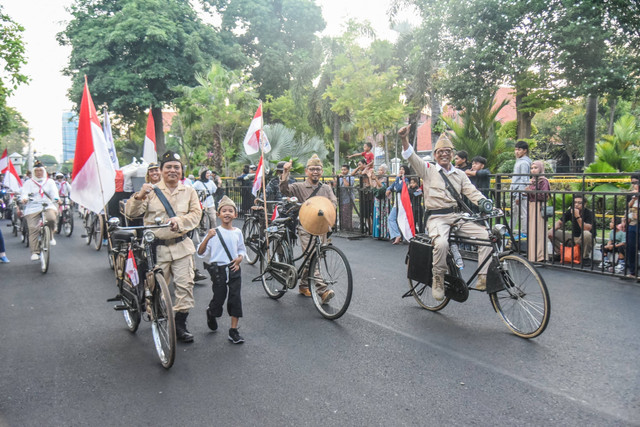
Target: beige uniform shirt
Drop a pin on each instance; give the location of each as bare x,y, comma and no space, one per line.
302,190
436,195
184,201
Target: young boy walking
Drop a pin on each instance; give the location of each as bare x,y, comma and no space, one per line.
224,249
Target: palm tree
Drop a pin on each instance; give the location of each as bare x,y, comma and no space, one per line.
619,152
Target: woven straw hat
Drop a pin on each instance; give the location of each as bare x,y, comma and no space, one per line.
317,215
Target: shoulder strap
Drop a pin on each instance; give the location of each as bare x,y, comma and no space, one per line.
315,191
224,245
164,202
454,192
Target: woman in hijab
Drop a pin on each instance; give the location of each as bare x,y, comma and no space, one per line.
537,225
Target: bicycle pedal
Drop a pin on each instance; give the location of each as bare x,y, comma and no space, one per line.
116,298
120,308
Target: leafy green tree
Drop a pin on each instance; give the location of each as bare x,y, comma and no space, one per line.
215,115
134,52
276,36
12,58
477,133
291,112
16,139
620,150
561,133
49,162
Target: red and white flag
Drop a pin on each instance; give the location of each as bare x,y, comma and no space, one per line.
11,178
405,214
255,137
4,161
132,269
257,180
275,213
149,153
93,174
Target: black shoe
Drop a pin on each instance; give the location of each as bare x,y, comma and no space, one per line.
199,276
182,334
235,337
212,323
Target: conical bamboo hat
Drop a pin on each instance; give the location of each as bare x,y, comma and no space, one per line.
317,215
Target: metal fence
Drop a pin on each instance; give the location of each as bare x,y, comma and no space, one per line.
364,210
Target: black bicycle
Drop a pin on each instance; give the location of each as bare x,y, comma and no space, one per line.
329,272
142,290
517,291
65,218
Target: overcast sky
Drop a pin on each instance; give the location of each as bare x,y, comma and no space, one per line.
45,98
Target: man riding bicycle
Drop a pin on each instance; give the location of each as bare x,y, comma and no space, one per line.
442,207
41,189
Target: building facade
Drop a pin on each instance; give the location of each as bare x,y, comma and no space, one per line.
69,133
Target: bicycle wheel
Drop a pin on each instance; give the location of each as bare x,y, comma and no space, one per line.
251,235
132,316
67,223
335,273
60,222
163,325
98,226
279,252
422,294
45,248
24,229
15,221
88,227
524,304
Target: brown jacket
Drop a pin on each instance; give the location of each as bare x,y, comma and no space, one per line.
302,190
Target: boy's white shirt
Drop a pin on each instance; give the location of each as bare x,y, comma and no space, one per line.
215,253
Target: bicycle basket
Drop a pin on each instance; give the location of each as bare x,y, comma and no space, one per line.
420,259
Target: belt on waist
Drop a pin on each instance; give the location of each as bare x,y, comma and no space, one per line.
442,211
168,242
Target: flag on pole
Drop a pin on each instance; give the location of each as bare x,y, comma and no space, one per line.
11,178
255,137
93,173
108,137
4,161
275,213
405,214
149,153
132,269
257,180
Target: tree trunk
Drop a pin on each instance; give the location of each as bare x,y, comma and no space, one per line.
336,142
590,140
523,129
217,150
156,112
612,114
386,149
436,111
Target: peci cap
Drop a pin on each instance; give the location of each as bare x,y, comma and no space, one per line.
314,161
443,142
170,156
226,201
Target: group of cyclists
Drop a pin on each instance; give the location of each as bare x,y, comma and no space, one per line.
39,192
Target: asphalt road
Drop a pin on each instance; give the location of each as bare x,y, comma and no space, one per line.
67,358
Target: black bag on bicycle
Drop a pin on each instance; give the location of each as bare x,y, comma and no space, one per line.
420,259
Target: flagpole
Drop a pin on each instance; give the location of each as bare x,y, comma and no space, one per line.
264,190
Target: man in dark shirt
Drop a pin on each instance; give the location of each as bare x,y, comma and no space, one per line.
479,174
582,229
461,160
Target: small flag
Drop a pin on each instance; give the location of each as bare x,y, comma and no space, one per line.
255,137
405,214
275,213
149,152
257,180
4,161
94,179
108,137
11,178
132,269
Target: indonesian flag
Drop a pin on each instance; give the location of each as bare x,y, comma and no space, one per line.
149,153
108,137
11,178
132,269
405,214
275,213
4,161
257,180
255,137
93,174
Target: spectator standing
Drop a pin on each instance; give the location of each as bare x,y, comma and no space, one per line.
520,181
461,160
366,195
415,195
345,184
380,207
206,189
396,187
537,222
479,175
582,231
632,226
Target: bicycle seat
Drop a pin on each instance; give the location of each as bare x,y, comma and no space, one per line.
123,235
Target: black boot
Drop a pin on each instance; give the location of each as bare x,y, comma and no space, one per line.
182,334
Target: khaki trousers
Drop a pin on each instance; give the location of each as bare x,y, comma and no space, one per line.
585,241
182,271
439,227
211,213
304,276
33,222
